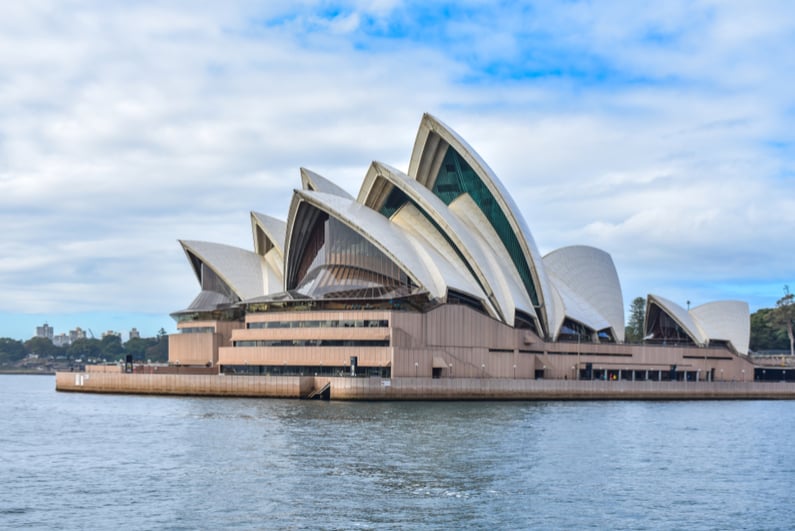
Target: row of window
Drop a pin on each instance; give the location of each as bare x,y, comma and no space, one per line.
350,323
198,330
301,370
314,343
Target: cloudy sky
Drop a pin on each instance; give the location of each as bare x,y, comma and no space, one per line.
661,132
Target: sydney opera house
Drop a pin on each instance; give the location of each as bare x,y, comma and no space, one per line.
433,274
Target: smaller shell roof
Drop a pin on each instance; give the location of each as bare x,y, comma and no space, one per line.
680,315
578,308
273,228
726,321
243,271
314,182
591,274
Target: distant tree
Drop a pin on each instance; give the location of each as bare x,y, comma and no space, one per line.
84,348
637,316
42,346
137,347
783,316
764,334
11,350
159,351
110,347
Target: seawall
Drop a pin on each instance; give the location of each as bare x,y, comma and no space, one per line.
416,388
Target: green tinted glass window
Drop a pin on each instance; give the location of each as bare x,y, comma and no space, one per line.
456,177
394,201
397,198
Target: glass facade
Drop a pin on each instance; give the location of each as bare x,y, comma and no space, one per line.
345,323
455,178
307,370
396,199
312,343
198,330
572,331
336,262
662,328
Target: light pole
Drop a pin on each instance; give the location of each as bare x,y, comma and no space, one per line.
482,370
451,370
416,369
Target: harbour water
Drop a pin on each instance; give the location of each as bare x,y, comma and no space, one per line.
83,461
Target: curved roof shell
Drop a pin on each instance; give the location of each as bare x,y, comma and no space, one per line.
375,228
268,232
430,149
438,255
244,272
681,316
508,277
591,274
577,308
314,182
728,321
379,185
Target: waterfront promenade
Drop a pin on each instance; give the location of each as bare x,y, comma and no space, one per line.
346,388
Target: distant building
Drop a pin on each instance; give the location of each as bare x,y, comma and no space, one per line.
61,340
135,334
111,333
77,333
45,330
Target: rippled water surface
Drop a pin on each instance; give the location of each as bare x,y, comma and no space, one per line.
82,461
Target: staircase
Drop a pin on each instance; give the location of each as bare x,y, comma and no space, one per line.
324,393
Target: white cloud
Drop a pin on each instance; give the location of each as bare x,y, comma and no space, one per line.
651,131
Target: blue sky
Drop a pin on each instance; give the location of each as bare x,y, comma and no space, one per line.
659,132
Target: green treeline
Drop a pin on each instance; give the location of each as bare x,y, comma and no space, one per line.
87,350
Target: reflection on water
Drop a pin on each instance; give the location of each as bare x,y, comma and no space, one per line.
87,461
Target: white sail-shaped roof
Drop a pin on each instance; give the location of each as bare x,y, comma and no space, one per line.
438,254
510,282
375,228
591,274
430,147
268,232
313,182
681,316
725,321
247,274
381,178
577,308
